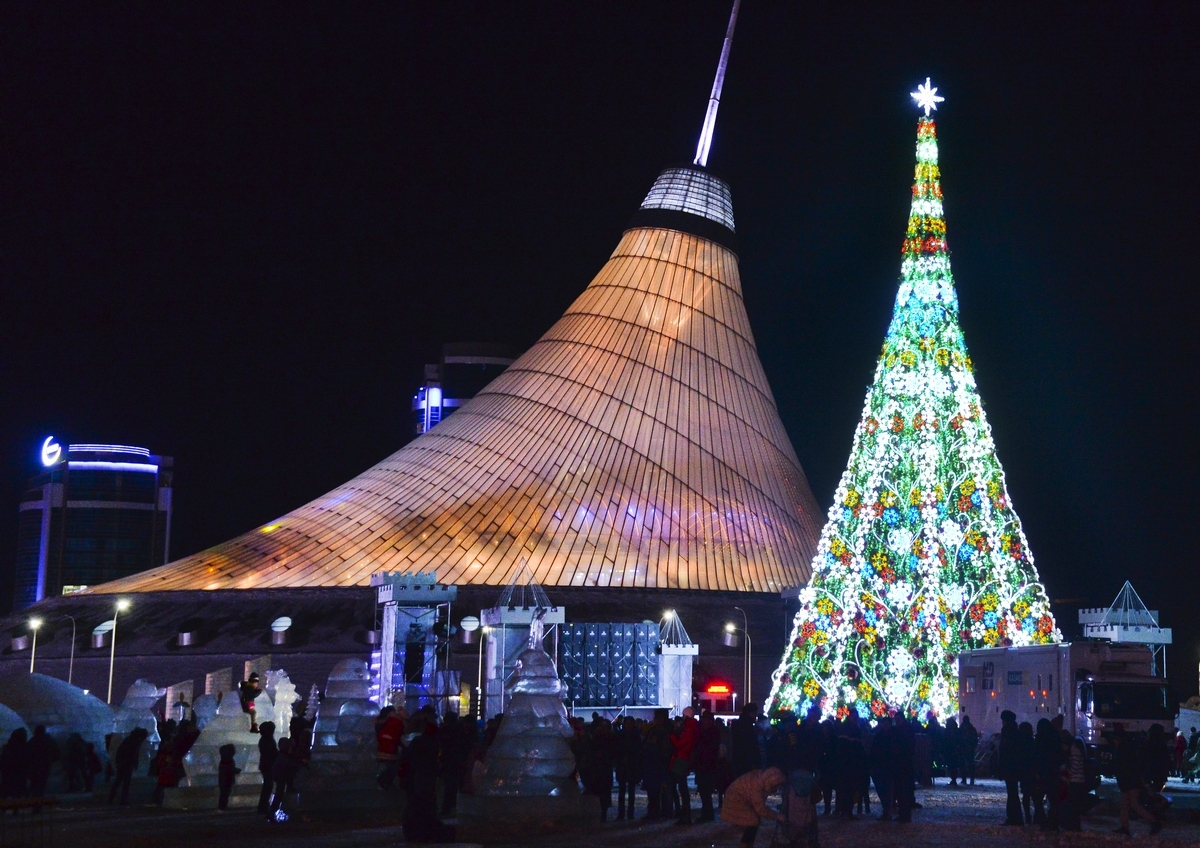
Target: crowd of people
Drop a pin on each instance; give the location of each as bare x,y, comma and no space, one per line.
1187,756
684,768
688,767
27,762
843,757
413,752
1047,774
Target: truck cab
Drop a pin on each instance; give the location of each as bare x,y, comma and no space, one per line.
1104,702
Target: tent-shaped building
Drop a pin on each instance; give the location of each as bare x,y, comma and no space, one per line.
635,445
632,459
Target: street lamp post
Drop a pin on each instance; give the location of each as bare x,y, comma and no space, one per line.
34,624
470,624
71,665
748,655
483,632
112,654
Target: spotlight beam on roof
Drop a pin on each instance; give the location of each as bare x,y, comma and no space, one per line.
714,99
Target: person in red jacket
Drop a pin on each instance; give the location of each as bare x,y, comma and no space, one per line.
683,742
389,728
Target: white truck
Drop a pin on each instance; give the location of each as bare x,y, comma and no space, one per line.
1093,685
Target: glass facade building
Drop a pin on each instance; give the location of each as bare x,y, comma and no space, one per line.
96,513
465,369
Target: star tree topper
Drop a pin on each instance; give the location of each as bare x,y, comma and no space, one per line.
926,97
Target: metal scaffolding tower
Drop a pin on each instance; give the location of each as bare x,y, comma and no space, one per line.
1128,620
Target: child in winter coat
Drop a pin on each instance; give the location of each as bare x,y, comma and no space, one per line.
226,773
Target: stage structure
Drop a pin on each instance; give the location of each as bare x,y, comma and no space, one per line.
1128,620
507,626
610,664
678,654
412,609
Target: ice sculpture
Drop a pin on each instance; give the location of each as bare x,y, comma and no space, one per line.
347,713
203,709
9,721
531,754
137,710
312,704
63,709
263,709
283,697
229,726
343,768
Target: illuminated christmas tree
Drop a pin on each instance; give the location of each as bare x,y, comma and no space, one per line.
923,555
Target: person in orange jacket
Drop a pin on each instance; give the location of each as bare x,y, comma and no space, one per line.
746,802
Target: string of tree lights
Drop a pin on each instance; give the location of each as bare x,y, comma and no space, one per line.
923,555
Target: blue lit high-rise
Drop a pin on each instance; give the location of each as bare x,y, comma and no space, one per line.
94,514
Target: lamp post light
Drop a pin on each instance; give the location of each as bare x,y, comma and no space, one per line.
730,639
470,624
71,665
112,654
749,654
34,624
483,632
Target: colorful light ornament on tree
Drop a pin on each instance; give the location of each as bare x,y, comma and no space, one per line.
922,556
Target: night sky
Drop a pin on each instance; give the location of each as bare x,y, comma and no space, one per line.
234,233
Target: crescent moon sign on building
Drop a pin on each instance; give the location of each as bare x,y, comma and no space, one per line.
51,451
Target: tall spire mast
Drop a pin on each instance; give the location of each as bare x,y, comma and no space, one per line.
714,99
